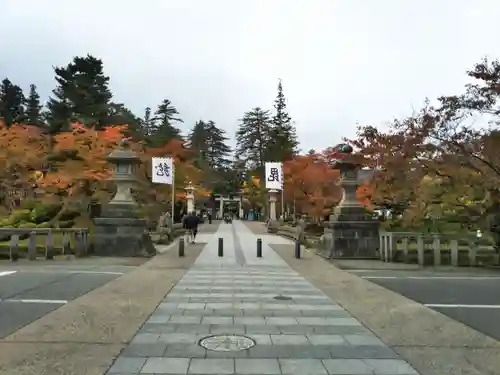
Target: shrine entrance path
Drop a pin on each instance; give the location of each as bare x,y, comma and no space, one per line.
255,316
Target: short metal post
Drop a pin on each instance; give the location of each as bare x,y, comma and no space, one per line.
221,247
297,249
181,247
259,248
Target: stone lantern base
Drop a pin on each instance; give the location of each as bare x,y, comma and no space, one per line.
273,226
351,239
120,233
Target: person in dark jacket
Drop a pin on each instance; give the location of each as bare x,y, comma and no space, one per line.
191,222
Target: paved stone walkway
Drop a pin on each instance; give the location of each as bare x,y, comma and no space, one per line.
304,333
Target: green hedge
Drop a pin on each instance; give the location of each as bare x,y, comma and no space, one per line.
68,214
66,224
45,212
27,204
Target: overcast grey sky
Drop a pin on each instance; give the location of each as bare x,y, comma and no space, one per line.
342,62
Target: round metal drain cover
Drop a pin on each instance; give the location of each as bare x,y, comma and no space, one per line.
282,298
227,343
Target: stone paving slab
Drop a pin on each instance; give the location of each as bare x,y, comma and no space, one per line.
433,343
304,333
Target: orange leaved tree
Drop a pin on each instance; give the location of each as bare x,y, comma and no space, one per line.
311,184
184,170
79,160
22,152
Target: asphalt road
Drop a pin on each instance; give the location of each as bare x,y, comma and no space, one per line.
27,293
471,297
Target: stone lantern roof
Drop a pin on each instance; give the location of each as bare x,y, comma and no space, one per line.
123,154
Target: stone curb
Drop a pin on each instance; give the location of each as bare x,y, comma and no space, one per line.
84,336
433,343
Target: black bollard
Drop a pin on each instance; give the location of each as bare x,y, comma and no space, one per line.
181,247
297,249
259,248
221,247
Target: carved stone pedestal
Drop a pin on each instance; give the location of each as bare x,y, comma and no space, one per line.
351,239
122,235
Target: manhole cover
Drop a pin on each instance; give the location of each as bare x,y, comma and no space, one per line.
282,298
227,343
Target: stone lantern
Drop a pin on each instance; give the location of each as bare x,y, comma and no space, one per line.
350,232
190,197
119,231
124,161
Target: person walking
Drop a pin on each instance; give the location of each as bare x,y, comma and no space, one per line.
191,222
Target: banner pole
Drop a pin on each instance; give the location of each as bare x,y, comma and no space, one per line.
283,191
173,191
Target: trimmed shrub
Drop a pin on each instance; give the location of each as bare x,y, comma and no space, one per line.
68,214
18,216
45,212
47,224
28,204
66,224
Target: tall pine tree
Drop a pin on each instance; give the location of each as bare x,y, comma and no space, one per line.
82,95
217,148
283,134
11,103
34,108
148,122
121,115
163,130
253,138
211,154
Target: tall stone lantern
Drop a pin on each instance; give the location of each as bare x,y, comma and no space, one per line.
119,231
273,224
350,232
190,197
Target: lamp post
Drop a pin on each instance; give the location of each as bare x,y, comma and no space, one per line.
190,197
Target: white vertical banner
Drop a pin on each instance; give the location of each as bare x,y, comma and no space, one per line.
162,171
274,175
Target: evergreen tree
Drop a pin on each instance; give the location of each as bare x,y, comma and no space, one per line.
82,95
253,138
11,102
283,133
211,154
34,108
197,137
217,148
209,145
121,115
163,131
148,122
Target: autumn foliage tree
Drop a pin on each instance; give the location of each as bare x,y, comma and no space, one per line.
22,152
184,172
310,183
79,161
440,163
